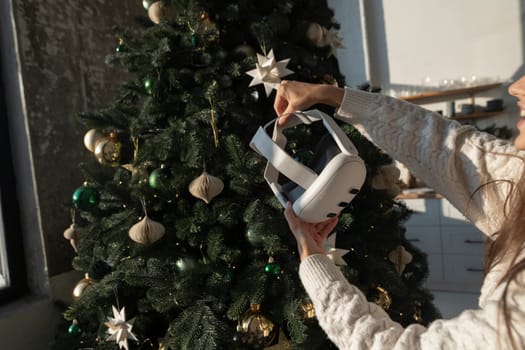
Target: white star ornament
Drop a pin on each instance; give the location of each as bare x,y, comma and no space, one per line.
119,330
269,72
335,254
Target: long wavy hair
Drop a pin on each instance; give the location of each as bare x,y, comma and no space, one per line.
508,243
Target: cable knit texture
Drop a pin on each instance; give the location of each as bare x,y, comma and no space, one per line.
456,161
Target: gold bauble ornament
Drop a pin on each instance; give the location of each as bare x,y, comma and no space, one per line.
258,330
282,344
72,233
400,257
417,312
382,298
161,344
81,287
91,139
159,11
307,310
206,187
147,231
108,150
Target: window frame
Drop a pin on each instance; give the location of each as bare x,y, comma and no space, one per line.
10,210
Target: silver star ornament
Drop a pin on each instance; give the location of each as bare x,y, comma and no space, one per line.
119,330
335,254
269,72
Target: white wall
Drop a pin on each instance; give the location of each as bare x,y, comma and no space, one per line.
405,41
352,57
437,38
450,39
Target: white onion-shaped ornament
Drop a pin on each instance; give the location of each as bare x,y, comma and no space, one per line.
158,11
386,179
147,231
316,34
72,233
91,138
400,257
206,187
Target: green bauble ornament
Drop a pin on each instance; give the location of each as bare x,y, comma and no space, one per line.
157,179
74,329
254,237
148,85
229,275
98,270
194,39
272,268
185,264
351,273
121,46
85,198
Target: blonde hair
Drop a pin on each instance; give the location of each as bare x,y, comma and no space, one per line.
508,242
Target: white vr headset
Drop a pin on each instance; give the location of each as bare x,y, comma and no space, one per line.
332,178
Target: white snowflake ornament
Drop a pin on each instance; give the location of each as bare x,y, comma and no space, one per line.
335,254
119,330
269,72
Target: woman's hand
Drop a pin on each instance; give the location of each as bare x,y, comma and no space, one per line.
297,96
309,237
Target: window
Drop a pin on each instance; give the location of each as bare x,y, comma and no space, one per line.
12,266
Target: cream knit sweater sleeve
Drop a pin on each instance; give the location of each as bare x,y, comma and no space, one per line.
453,159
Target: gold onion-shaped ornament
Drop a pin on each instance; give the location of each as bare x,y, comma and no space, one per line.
147,231
206,187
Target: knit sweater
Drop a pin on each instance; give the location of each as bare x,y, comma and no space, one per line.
455,160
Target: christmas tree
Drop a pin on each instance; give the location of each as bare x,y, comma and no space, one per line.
182,242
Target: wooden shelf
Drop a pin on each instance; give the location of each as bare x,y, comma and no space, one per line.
415,195
448,95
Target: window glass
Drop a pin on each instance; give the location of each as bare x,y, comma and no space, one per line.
4,268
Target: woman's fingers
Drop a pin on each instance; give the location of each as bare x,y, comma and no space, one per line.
327,227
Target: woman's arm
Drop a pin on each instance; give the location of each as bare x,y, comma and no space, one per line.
453,159
351,322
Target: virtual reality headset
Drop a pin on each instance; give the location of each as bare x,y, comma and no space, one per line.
327,184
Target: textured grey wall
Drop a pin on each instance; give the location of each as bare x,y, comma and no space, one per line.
62,49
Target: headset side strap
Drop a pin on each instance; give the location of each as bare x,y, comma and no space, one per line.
280,161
